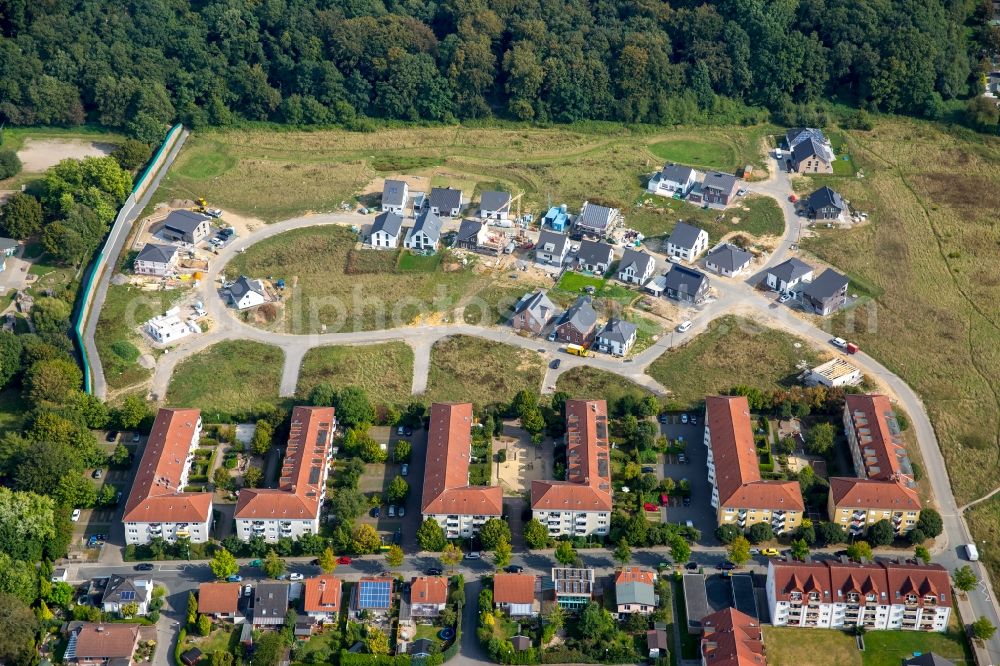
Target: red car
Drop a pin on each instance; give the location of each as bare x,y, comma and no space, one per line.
649,507
343,559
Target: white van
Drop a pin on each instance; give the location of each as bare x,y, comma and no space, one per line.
971,552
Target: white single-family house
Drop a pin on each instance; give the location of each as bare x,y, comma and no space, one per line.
246,293
636,267
687,242
395,194
425,233
386,230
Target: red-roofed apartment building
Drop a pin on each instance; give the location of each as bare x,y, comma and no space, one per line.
732,638
739,495
448,498
885,489
580,505
157,505
876,595
292,509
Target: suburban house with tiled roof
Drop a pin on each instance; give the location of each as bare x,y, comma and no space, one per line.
533,312
425,234
101,644
428,596
728,260
578,324
824,204
186,225
581,505
826,294
157,506
636,267
245,293
459,508
811,151
673,180
155,259
598,221
617,337
395,194
494,205
739,495
121,591
634,591
594,256
687,242
386,230
292,509
552,248
787,275
270,603
373,594
322,598
445,202
220,600
732,638
514,593
877,595
686,284
719,188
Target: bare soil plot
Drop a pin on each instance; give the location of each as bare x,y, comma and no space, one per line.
37,155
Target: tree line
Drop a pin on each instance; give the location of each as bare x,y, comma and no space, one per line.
142,65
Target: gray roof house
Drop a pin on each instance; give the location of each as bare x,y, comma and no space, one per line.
155,259
617,337
470,234
445,201
825,204
728,260
786,275
673,179
425,233
597,220
186,225
551,248
123,590
246,293
494,205
386,229
635,593
8,246
636,267
594,256
827,293
533,312
578,322
928,659
394,196
718,187
811,150
686,284
270,603
687,241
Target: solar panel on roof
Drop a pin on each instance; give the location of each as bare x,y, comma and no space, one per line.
127,595
374,594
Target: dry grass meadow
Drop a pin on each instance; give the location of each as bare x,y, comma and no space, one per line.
469,369
385,371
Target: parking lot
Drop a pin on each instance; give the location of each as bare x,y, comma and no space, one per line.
700,511
377,478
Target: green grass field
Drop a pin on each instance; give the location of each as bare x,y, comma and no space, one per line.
890,648
984,521
13,409
796,646
697,152
227,379
733,351
125,309
385,371
469,369
313,262
755,216
592,383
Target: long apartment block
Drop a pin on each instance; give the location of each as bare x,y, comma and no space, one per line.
739,494
875,595
581,505
459,508
293,509
884,488
157,505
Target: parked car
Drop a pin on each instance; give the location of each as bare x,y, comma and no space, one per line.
295,576
405,469
693,420
684,418
687,501
392,511
648,469
675,260
684,326
376,512
555,363
649,506
98,473
401,512
473,555
144,566
691,566
135,437
434,571
255,563
552,337
408,431
235,578
247,591
839,342
399,431
343,559
770,552
682,459
725,565
662,418
514,568
784,298
112,435
76,515
314,562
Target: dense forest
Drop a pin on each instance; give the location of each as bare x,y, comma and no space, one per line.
139,64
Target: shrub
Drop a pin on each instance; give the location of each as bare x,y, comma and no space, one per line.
10,164
132,154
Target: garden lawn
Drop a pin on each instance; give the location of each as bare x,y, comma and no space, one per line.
314,263
483,372
125,309
890,648
733,351
755,216
705,152
385,371
227,380
796,646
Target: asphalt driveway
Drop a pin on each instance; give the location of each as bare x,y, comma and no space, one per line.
695,470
